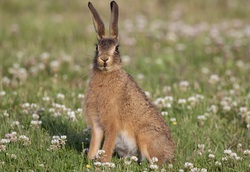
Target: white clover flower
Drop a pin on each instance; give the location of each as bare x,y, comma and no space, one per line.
13,156
55,66
81,96
56,137
41,165
46,98
154,159
203,170
192,101
183,85
63,137
55,142
6,114
182,101
173,119
153,167
201,118
214,79
211,156
60,96
164,113
15,123
4,141
140,76
2,148
243,109
35,116
227,151
247,152
35,123
226,108
98,164
218,163
108,164
134,158
2,93
101,152
181,170
224,159
188,165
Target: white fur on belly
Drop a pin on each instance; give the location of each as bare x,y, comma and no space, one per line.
125,145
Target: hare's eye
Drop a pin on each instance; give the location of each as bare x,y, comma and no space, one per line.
96,48
117,48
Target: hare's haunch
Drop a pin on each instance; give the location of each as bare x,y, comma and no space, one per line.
117,108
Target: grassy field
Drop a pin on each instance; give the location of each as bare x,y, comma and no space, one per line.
192,58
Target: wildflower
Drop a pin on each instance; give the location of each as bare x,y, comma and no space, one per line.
12,137
213,109
164,113
183,85
182,101
154,159
13,156
55,66
153,167
203,170
60,96
88,166
41,165
218,163
35,116
192,100
140,76
72,116
24,140
147,94
214,79
2,93
6,114
35,123
211,156
170,166
98,164
201,120
63,139
227,151
247,152
173,120
2,147
188,165
100,153
15,123
46,99
81,96
108,164
134,158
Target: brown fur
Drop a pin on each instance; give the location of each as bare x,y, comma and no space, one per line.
116,107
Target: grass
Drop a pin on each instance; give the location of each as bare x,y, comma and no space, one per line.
196,52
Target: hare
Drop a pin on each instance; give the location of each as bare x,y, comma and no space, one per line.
117,108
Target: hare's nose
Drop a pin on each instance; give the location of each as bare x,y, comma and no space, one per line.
105,58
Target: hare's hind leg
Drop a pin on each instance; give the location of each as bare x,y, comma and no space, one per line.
96,139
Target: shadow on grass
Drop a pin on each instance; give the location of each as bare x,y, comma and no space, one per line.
61,126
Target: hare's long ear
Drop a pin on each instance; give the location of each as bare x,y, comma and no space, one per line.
97,21
113,27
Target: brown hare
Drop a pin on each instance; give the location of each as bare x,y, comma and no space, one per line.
117,108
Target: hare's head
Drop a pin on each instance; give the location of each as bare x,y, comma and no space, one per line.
107,56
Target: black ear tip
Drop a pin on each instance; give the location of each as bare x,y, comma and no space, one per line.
112,3
89,4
